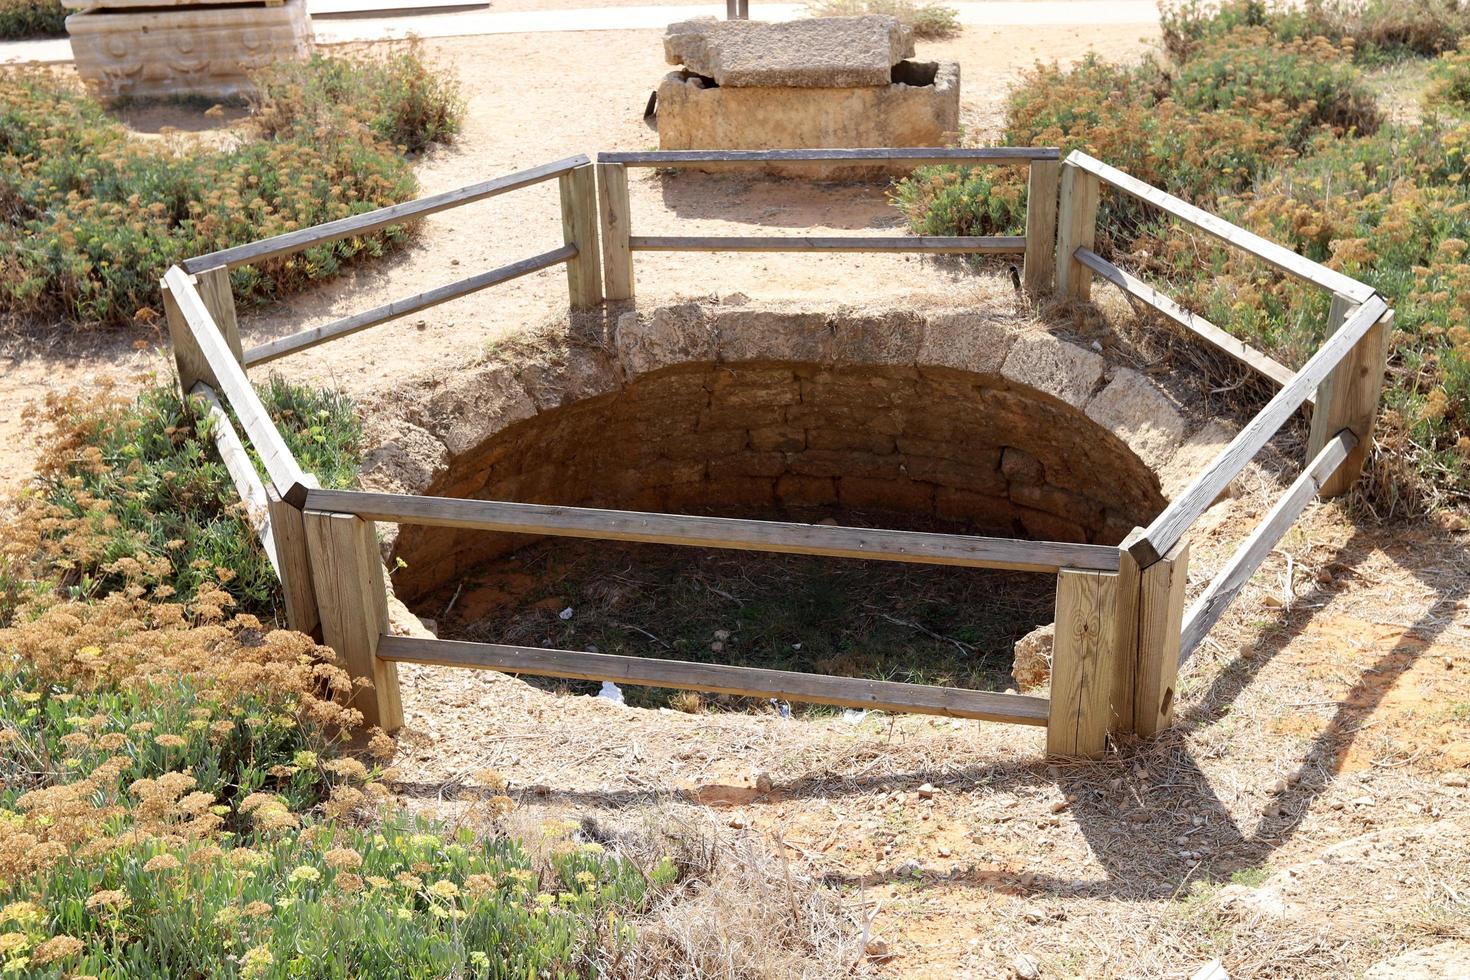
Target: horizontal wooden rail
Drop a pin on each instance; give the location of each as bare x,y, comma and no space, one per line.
1170,526
917,156
402,307
849,692
718,532
979,244
1267,251
1265,366
1221,592
371,221
280,466
242,471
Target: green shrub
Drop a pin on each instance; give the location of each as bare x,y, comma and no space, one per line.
1449,81
1378,29
174,802
396,94
961,201
31,18
135,494
92,217
929,21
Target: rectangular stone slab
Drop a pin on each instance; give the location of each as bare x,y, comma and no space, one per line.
185,50
822,52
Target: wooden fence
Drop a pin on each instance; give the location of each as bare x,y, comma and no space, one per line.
1122,630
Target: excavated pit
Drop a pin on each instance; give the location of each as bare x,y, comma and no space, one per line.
952,422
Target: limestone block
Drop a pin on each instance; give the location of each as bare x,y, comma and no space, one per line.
1141,415
757,335
692,116
965,342
670,335
1041,361
477,404
797,490
778,438
403,459
888,338
1196,453
1032,664
820,52
185,50
899,496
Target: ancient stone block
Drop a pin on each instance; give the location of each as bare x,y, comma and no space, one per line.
670,335
741,418
965,342
899,495
780,438
825,462
1141,415
767,464
1049,527
796,490
763,335
983,510
1041,361
983,475
476,404
821,52
861,440
163,50
1021,467
890,338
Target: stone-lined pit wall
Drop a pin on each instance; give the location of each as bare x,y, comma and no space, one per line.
950,421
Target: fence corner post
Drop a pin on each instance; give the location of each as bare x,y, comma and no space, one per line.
347,573
614,212
1149,617
1083,664
579,228
1076,228
293,556
1040,263
1348,397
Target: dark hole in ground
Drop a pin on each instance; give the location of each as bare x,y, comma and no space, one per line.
926,624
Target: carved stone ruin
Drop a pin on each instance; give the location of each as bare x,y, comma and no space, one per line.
827,82
151,48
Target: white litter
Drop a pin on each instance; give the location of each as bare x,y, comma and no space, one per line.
566,613
611,692
852,716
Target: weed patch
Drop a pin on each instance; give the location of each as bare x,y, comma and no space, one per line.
31,18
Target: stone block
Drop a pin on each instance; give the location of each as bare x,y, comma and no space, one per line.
1141,415
476,405
778,438
994,513
765,335
831,462
767,464
670,335
740,418
164,50
1039,360
899,496
981,476
798,490
1021,468
692,116
819,52
965,342
861,440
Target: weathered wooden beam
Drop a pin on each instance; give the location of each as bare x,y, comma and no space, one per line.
976,244
1083,664
1348,397
242,472
615,215
305,339
371,221
1266,367
230,381
1196,498
1267,251
852,692
1147,626
294,569
914,156
1076,229
1221,592
1042,187
347,573
579,231
718,532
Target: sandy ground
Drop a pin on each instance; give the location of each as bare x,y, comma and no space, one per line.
571,93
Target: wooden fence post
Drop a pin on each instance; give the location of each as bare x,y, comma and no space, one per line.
292,554
1348,397
1041,226
189,360
1149,617
347,573
579,228
1082,665
1076,228
612,208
